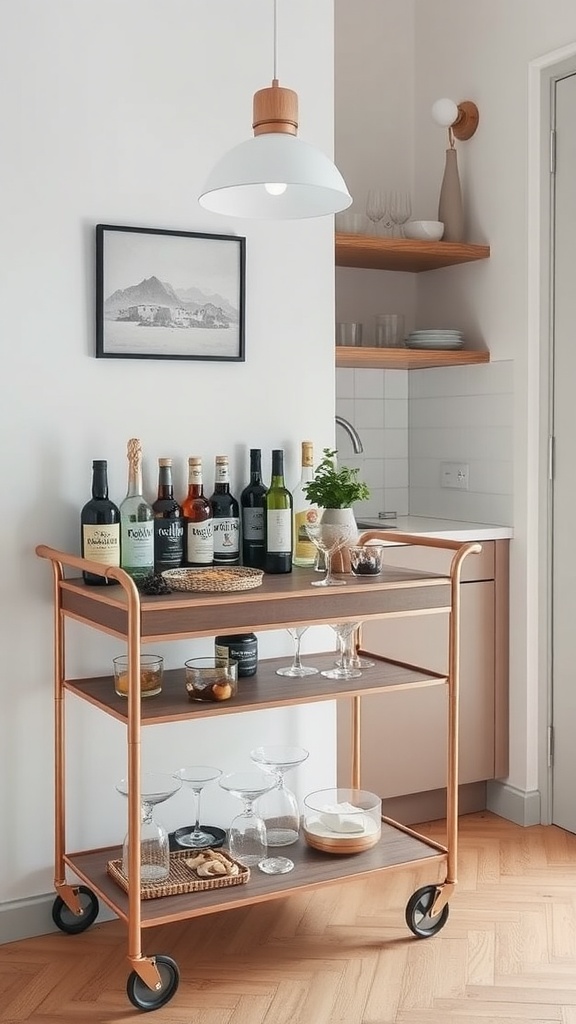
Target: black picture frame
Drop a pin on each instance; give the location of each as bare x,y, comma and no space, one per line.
164,294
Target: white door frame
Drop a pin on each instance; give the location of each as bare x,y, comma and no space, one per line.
542,73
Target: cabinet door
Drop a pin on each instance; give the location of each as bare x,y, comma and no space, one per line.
404,733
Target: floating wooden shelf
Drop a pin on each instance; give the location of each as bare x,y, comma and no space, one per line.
407,358
404,254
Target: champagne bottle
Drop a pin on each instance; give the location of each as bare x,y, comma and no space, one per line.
199,547
168,522
226,516
252,510
278,507
100,526
305,511
136,521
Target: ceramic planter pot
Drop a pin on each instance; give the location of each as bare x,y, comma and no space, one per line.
341,559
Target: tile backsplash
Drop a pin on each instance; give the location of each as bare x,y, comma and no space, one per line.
410,422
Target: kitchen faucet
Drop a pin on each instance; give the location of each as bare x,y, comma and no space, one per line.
352,434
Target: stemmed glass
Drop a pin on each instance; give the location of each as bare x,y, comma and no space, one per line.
247,840
343,669
154,842
375,208
297,670
400,210
353,658
196,777
279,807
329,538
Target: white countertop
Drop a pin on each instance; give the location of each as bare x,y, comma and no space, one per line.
448,528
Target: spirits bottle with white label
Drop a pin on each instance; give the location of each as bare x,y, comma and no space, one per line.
136,521
199,539
100,526
225,516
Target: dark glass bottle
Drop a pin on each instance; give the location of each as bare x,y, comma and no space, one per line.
199,546
278,506
168,522
225,516
252,512
100,526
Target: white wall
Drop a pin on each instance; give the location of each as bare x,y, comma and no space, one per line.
115,113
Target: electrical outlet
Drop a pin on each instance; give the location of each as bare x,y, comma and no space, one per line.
455,474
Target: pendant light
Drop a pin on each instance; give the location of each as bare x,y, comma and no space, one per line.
275,175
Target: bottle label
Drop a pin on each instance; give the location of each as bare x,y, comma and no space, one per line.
304,549
279,530
221,473
253,523
102,543
200,542
168,543
137,545
226,536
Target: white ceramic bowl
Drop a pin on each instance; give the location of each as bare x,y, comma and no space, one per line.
426,230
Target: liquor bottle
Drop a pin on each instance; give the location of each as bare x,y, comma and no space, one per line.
168,522
199,540
226,516
278,507
252,511
305,511
100,526
136,521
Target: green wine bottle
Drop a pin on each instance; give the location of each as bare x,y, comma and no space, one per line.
278,519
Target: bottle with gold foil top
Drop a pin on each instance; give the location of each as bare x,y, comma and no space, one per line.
136,521
304,553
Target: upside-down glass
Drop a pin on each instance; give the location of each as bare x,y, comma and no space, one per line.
351,657
279,807
297,670
329,538
196,777
343,669
247,840
154,842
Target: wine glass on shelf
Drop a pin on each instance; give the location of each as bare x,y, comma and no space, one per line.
154,841
375,208
196,777
343,669
329,538
247,839
353,658
297,670
279,806
400,210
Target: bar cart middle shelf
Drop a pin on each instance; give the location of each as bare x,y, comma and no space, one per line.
281,601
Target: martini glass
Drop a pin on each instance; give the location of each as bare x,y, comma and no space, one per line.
297,670
279,807
329,538
343,669
196,777
247,840
154,842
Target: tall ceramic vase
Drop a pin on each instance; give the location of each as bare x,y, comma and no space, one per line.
341,559
450,209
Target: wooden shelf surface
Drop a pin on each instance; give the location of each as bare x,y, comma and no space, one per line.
403,254
406,358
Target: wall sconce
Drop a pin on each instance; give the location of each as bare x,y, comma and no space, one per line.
275,175
461,120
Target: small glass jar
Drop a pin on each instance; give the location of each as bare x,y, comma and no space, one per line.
243,648
151,672
213,679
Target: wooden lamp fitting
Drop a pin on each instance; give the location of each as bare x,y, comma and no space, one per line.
466,123
275,109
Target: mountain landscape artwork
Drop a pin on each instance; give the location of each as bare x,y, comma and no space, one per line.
169,295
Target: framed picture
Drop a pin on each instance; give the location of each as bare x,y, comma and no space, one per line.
169,294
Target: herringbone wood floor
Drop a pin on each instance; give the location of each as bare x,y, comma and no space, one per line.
342,955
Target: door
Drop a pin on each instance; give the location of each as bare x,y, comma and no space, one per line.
564,484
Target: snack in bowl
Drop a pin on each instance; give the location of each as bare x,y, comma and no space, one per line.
213,679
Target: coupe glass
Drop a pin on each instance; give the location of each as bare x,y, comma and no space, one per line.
297,670
279,807
329,538
343,669
196,777
154,842
247,839
353,658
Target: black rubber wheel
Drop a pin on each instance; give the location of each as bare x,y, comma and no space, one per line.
144,998
418,916
67,921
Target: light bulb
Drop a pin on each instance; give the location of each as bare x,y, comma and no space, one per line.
445,112
275,188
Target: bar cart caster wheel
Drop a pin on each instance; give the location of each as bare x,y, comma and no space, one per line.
144,998
417,913
67,921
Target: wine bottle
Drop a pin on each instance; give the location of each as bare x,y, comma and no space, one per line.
225,515
305,511
278,507
199,546
168,522
136,521
252,512
100,526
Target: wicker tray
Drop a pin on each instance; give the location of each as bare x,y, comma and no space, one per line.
216,578
181,878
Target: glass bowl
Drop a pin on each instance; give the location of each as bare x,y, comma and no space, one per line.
212,679
151,674
366,560
342,820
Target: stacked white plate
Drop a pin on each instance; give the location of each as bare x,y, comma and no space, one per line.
447,339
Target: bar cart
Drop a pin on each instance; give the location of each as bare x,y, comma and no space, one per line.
281,601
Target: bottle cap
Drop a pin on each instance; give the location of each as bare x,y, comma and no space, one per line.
164,462
194,460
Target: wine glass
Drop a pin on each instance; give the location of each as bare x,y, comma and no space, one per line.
353,658
297,670
247,839
343,669
375,208
279,807
329,538
400,210
154,842
196,777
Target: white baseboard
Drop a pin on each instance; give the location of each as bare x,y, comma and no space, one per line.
523,808
27,918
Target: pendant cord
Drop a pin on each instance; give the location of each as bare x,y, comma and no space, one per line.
275,40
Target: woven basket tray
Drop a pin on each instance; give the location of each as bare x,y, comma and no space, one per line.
181,878
224,579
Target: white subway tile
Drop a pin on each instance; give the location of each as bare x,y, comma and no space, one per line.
369,384
344,382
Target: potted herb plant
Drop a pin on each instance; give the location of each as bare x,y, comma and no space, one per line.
335,490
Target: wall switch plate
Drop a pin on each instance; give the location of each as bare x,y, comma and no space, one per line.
455,474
